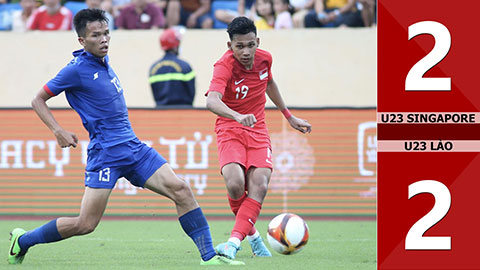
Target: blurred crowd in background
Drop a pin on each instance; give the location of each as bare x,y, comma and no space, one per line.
50,15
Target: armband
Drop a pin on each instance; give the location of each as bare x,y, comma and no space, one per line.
286,113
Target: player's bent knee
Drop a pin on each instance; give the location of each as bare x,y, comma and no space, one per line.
180,191
260,189
259,186
235,183
236,188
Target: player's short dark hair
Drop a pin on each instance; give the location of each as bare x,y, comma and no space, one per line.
85,16
241,26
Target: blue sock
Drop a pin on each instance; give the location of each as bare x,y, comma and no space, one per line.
46,233
195,225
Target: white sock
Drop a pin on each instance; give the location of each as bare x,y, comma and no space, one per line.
253,236
235,240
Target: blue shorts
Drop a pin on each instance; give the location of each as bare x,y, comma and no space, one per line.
133,160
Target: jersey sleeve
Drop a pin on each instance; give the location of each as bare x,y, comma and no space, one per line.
221,76
270,62
66,79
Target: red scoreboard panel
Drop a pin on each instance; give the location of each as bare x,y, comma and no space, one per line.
428,134
329,172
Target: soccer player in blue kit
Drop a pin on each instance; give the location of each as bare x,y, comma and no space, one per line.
94,92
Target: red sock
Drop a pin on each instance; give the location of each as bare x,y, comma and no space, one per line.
235,205
246,218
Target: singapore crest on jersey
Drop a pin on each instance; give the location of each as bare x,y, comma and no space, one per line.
263,74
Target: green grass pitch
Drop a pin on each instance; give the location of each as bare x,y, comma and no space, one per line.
161,244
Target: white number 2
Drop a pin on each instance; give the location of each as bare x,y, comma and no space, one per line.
415,239
243,90
443,41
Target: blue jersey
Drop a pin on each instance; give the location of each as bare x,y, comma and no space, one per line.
94,92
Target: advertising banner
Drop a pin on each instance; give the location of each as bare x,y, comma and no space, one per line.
329,172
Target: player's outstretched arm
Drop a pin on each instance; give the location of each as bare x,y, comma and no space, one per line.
296,123
39,105
216,105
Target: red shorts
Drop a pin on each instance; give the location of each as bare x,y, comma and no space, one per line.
247,148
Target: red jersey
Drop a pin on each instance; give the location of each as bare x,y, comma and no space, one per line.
243,90
42,20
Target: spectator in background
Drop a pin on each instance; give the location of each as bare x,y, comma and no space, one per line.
140,15
98,5
172,79
114,6
51,16
162,4
283,18
334,13
244,8
367,9
300,10
265,18
21,17
189,13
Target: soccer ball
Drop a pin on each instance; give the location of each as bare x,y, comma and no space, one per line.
287,233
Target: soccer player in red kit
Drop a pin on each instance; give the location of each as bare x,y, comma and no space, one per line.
237,95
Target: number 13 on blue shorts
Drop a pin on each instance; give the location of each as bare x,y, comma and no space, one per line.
428,126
